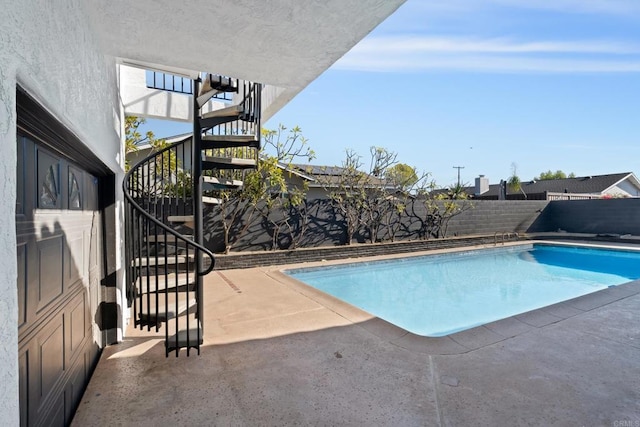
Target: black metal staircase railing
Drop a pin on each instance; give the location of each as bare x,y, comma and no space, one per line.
164,208
163,283
178,84
169,82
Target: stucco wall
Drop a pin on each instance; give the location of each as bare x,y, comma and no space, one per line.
47,48
139,100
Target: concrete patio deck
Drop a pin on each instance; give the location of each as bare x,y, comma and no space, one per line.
279,353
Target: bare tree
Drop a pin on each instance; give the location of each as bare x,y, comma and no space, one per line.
265,192
346,192
284,209
237,210
408,183
379,192
363,199
438,207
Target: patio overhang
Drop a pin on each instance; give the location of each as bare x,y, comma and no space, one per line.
281,43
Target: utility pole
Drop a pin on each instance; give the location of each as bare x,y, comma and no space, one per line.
458,167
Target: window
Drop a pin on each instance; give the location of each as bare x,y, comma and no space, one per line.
49,190
48,181
75,194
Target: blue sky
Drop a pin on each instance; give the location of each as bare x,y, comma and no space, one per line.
484,84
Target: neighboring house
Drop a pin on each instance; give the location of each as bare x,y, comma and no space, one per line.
624,184
323,180
70,73
320,180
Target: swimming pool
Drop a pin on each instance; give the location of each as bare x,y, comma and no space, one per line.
437,295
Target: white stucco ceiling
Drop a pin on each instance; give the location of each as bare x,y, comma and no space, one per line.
285,43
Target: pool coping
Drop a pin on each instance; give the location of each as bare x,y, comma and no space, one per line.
470,339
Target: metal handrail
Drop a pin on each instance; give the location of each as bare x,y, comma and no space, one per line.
157,186
154,220
178,84
147,270
182,85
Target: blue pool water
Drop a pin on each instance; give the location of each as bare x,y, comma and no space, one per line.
437,295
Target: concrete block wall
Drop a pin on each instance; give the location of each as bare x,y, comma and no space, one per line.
612,216
486,217
325,236
490,216
326,228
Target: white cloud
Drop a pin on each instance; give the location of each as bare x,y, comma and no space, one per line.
420,53
428,44
465,38
491,64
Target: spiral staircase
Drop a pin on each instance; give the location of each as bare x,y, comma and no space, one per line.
164,198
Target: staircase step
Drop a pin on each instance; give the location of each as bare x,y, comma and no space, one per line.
227,163
213,85
162,315
187,220
219,83
162,260
227,141
211,200
168,239
163,283
232,111
185,339
205,97
223,184
211,122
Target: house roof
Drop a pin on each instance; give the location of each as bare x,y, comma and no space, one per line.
596,184
326,175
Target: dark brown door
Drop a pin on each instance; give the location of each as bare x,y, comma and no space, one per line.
59,251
